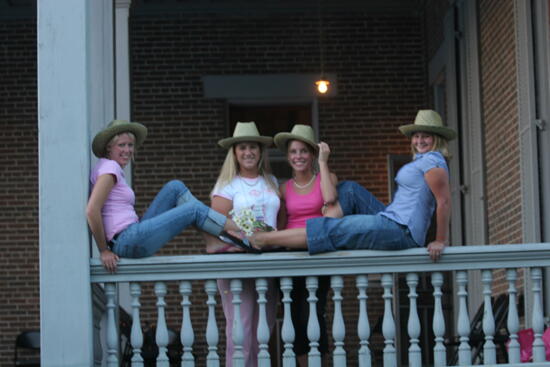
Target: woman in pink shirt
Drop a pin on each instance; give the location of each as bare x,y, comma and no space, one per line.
111,216
306,195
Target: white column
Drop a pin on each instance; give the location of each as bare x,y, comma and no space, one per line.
69,79
122,53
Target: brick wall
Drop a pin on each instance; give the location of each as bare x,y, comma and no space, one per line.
380,65
19,294
499,95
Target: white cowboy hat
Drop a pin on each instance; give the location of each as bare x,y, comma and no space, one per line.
245,131
303,133
428,121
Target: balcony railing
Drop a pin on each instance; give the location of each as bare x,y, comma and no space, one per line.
362,265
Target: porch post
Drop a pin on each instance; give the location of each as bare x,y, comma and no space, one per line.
71,101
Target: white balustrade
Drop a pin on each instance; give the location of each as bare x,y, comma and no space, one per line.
161,335
363,328
136,334
539,354
287,331
413,325
388,322
360,264
338,326
440,358
463,321
112,335
489,349
236,287
187,335
263,329
513,317
313,332
212,335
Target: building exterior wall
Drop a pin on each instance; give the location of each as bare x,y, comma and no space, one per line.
499,97
19,293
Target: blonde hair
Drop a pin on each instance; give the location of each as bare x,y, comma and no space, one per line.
114,139
230,169
440,145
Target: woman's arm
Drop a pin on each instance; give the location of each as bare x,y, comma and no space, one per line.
281,215
100,192
328,179
438,181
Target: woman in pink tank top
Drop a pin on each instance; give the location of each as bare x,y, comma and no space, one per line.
306,195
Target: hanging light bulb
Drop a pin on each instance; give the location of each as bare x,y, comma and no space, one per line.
322,85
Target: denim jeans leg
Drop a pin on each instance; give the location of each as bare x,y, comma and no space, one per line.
374,232
145,238
355,199
167,198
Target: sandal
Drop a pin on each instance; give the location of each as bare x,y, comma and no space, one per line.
239,242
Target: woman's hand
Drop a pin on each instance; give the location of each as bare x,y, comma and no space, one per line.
324,152
435,249
109,260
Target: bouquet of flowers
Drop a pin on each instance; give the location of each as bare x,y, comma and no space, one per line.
247,222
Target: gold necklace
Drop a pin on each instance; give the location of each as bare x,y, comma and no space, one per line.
303,186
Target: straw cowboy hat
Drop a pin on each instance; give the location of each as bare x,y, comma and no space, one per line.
245,131
428,121
304,133
115,127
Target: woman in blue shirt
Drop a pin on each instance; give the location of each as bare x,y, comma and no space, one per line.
366,223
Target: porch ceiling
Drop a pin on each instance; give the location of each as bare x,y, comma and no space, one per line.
27,8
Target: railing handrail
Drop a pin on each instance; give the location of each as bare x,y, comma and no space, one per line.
279,264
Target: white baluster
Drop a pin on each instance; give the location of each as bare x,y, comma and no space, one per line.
161,335
313,332
363,328
438,321
513,317
338,326
539,354
112,330
187,335
287,332
136,334
263,328
388,322
212,336
489,349
463,322
238,356
413,325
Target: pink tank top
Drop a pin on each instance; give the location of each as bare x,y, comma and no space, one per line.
300,208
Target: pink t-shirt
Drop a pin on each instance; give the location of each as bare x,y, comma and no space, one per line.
300,208
118,211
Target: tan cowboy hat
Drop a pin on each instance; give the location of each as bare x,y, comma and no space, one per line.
428,121
300,132
245,131
115,127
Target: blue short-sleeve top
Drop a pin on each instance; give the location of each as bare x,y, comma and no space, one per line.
414,203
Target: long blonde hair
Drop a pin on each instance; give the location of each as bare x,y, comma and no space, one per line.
230,169
440,145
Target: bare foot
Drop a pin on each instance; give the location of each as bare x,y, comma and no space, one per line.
220,247
258,240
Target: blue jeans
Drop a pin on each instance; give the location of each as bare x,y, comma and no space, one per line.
362,227
173,209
